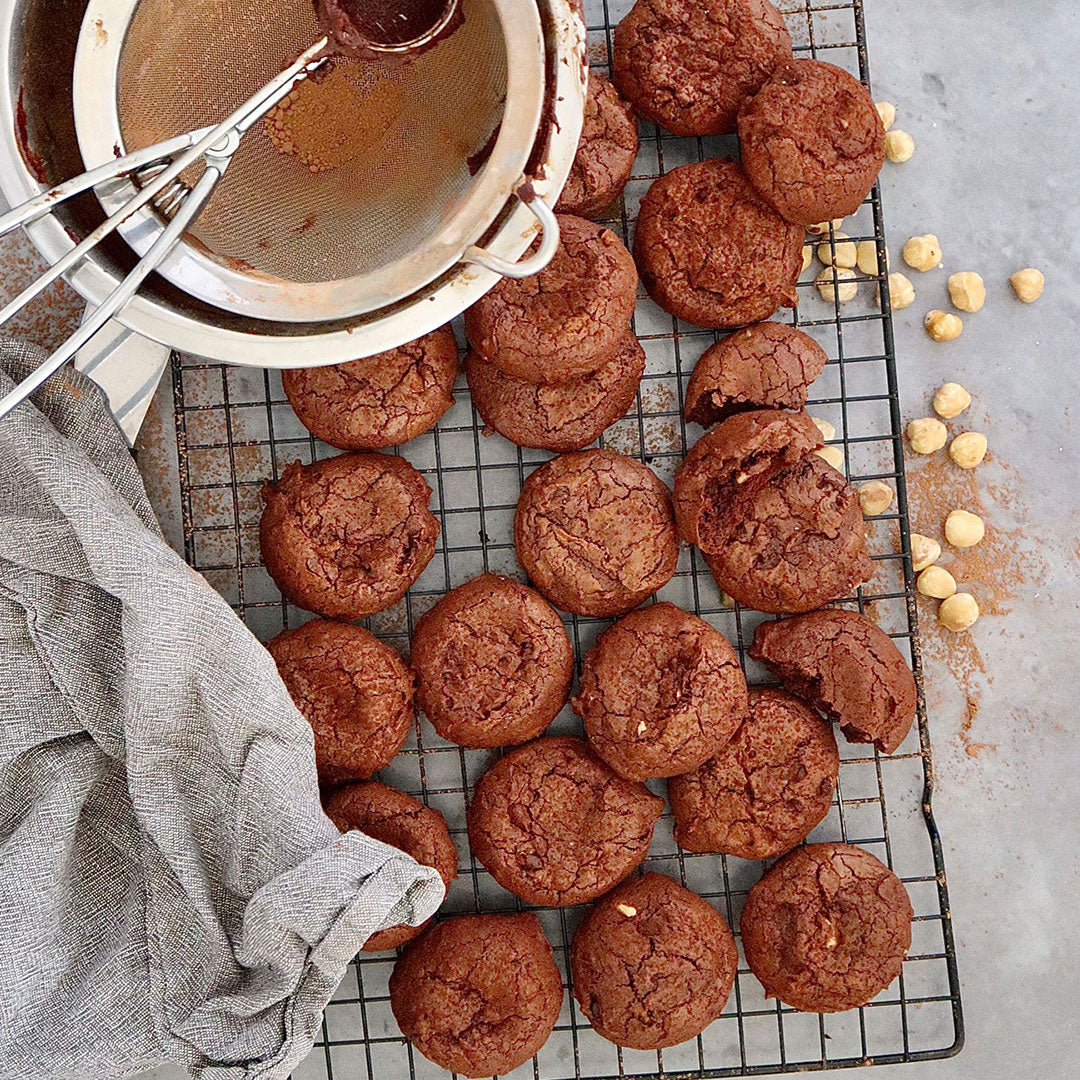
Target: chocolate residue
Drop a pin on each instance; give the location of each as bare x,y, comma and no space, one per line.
31,159
475,162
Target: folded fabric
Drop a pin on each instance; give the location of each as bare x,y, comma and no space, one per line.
170,889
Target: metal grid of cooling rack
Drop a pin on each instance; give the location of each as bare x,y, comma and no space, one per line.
235,430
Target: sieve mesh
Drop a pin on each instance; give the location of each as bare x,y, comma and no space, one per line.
397,136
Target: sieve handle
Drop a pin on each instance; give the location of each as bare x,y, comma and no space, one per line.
534,263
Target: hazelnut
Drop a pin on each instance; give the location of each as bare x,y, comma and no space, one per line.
842,289
927,435
642,727
968,449
827,430
822,227
964,529
833,455
899,146
937,582
626,909
958,612
943,326
922,252
951,400
967,291
1028,284
875,497
845,253
924,552
726,599
807,258
887,111
866,257
901,292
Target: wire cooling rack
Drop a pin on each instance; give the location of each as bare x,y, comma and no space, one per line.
235,430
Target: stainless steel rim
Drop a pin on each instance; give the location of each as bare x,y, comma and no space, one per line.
305,345
97,123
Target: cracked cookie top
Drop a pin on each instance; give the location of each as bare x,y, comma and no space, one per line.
661,691
555,826
379,401
847,667
769,365
605,154
691,65
478,994
556,416
765,789
397,819
354,690
347,536
565,321
795,544
812,141
493,663
595,531
712,251
827,928
652,964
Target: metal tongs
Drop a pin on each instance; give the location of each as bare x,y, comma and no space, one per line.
155,169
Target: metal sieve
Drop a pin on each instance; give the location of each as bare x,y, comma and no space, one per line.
406,194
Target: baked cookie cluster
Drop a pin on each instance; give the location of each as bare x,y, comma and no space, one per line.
559,820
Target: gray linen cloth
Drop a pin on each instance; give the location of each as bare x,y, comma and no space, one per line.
170,889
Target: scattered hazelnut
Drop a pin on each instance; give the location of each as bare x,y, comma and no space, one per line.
642,727
822,227
887,111
899,146
833,455
875,497
626,910
942,325
846,253
1028,284
951,400
842,289
968,449
924,552
967,291
866,258
827,430
922,252
807,258
901,292
958,612
927,435
964,529
937,582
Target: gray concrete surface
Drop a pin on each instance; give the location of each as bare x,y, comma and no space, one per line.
988,90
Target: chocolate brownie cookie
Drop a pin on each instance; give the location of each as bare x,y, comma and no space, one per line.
653,964
661,691
847,667
605,154
742,453
347,536
493,663
556,416
766,789
795,544
565,321
691,65
355,691
478,994
827,928
397,819
595,532
812,141
711,251
555,826
380,401
769,365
